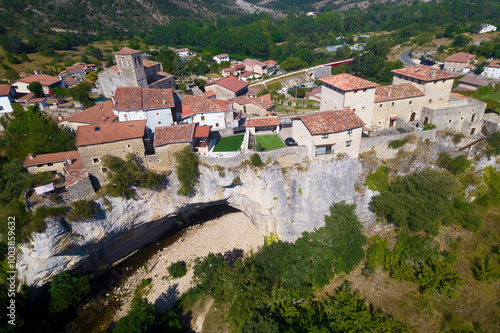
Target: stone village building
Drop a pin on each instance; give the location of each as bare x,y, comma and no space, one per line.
97,114
227,88
205,111
116,139
133,71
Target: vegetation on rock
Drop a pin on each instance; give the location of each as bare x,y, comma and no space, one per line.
186,170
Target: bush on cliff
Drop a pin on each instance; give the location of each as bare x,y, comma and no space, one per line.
124,174
187,170
82,210
255,159
67,290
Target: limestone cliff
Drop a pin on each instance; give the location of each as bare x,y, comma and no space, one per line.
286,201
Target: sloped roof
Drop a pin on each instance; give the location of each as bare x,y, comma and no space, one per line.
201,104
458,95
73,178
4,89
397,91
149,63
220,56
262,103
348,82
270,62
331,121
230,83
247,74
138,98
474,81
460,57
242,100
202,131
94,114
127,51
494,63
251,62
424,73
73,156
45,80
182,133
109,132
262,121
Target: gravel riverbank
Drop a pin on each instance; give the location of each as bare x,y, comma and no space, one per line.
231,232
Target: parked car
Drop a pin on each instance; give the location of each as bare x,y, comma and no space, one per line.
290,142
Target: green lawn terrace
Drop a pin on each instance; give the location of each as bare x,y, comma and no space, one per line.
268,142
231,143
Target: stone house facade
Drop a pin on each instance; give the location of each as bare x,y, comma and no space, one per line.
228,87
206,111
78,185
48,82
458,62
118,139
59,163
329,133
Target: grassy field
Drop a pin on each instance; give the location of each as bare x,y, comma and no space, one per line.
270,142
231,143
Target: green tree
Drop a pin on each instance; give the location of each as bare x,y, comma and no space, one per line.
67,290
186,170
293,63
36,88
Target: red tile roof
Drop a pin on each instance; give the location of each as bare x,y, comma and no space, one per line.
229,70
239,66
424,73
262,103
348,82
271,63
202,131
127,51
253,91
74,178
262,121
37,100
220,56
4,89
209,94
267,98
242,100
230,83
138,98
460,57
201,104
251,62
94,114
109,132
73,156
397,91
182,133
458,95
45,80
149,63
247,74
180,50
331,121
474,81
494,63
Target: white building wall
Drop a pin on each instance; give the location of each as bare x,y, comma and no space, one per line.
155,118
492,72
361,102
436,92
215,119
5,106
331,98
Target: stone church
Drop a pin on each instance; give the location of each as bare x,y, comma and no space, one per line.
133,71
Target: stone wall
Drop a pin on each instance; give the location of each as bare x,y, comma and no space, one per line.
92,156
81,190
164,158
221,92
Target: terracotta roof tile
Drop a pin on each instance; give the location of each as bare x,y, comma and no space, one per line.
239,66
114,69
94,114
127,51
242,100
138,98
424,73
397,91
73,178
247,74
494,63
209,94
149,63
4,89
220,56
37,100
271,63
73,156
158,77
262,103
202,131
230,83
109,132
262,121
182,133
251,62
458,95
201,104
229,70
183,49
253,91
474,81
348,82
331,121
45,80
460,57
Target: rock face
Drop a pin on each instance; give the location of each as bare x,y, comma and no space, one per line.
286,201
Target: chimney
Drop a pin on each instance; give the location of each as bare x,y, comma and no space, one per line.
164,103
68,161
60,118
103,118
100,106
389,94
31,156
433,73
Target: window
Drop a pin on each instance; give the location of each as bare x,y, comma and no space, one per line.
157,113
202,118
364,90
472,118
95,160
430,100
104,170
410,102
324,136
353,110
349,131
50,164
216,124
348,143
355,91
323,150
1,107
472,131
449,121
392,103
127,146
159,123
380,105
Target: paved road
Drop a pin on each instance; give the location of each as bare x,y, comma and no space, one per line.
405,58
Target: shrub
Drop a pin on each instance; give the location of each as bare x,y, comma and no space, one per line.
429,126
487,268
67,290
457,138
187,170
493,144
177,269
255,160
396,144
378,180
83,210
237,180
457,165
259,147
